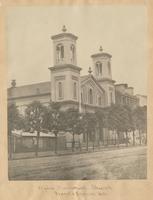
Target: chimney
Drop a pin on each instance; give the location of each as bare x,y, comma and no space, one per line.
129,91
121,87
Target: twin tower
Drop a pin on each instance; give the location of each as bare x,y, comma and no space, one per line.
65,74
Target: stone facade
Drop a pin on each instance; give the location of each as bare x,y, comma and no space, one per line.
142,99
67,86
124,95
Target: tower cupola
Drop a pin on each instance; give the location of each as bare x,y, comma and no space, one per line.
102,65
102,72
64,48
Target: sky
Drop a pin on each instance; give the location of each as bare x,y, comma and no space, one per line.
121,30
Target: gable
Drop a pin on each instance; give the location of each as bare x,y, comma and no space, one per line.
90,81
96,97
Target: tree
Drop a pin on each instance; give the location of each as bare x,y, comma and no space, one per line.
102,119
132,123
140,120
90,122
129,123
74,123
119,120
15,122
34,115
54,120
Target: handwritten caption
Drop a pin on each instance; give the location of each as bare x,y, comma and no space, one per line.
91,190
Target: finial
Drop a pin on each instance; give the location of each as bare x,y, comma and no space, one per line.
64,28
89,71
13,83
101,49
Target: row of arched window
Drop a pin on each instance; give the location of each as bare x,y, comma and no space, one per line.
99,69
61,90
88,97
83,95
60,52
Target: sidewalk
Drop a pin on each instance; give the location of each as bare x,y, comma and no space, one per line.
27,155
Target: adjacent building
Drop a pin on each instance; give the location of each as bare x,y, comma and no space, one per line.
124,95
142,99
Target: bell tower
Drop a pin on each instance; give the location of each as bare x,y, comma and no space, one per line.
102,65
65,74
102,73
64,48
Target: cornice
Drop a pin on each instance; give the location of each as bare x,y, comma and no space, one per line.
101,55
62,35
65,66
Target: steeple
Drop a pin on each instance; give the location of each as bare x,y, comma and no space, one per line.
65,74
102,65
64,48
102,72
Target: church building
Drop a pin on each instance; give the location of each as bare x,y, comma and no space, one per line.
67,85
96,89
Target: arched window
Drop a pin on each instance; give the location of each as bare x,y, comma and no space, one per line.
72,48
109,67
111,97
82,98
90,96
60,90
60,52
99,68
84,95
75,90
99,101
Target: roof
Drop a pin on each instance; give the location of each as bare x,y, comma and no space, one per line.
64,66
20,133
107,79
141,95
34,134
122,84
125,94
84,77
30,90
61,35
101,54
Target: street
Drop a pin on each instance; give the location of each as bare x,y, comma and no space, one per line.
128,163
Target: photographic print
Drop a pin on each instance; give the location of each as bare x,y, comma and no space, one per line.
77,92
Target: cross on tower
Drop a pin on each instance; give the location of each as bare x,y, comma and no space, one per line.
64,28
101,49
89,71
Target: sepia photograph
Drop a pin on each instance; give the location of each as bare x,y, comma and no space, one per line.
77,92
